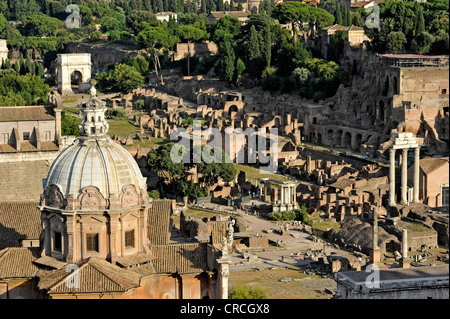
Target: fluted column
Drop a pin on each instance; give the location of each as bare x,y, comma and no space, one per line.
416,174
392,177
404,176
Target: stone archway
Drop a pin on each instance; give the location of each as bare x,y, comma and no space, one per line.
347,140
71,68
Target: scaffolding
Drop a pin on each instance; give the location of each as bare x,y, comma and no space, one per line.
413,60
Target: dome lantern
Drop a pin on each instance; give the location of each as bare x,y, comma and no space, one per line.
93,122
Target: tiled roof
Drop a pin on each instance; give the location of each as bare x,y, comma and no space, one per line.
430,164
27,146
221,14
49,262
18,221
93,275
180,258
18,262
159,221
336,27
26,113
136,259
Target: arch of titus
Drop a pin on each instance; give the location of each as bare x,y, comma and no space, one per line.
69,63
404,141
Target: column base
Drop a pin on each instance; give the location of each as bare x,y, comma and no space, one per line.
375,256
405,263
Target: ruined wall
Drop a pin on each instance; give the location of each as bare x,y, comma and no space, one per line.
197,49
101,55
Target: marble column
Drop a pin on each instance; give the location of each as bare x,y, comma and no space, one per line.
404,176
416,174
392,177
282,195
375,228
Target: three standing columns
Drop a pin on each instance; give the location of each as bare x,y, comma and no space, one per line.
404,176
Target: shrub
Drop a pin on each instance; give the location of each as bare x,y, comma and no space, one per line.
240,291
154,194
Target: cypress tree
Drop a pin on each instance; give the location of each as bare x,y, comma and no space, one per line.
261,8
419,21
16,67
338,14
159,6
349,18
267,46
229,62
220,5
203,6
254,57
28,68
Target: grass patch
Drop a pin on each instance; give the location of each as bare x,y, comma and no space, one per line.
70,101
326,225
418,227
71,110
122,128
254,174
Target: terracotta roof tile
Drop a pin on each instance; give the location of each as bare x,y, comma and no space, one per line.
93,275
18,262
180,258
26,113
159,222
49,262
18,221
430,164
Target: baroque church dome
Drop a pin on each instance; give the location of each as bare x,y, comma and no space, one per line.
94,166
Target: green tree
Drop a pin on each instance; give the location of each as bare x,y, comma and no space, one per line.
122,78
229,62
254,54
267,46
396,41
339,14
69,124
190,33
154,40
419,23
301,14
240,68
40,25
95,36
421,44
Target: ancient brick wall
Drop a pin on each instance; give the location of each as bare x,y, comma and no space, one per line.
198,49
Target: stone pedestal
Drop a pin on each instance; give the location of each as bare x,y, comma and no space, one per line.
375,256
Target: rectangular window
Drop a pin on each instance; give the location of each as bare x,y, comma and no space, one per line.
92,242
26,136
129,239
445,195
48,135
444,91
57,241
